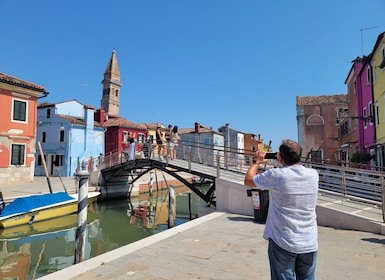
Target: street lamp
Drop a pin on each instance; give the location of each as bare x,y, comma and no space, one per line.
365,119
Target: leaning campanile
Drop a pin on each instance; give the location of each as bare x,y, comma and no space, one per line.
111,87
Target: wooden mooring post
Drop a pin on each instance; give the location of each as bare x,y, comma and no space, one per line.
83,177
171,206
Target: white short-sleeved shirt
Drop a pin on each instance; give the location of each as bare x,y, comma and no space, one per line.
291,221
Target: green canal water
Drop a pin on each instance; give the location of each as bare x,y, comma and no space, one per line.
30,252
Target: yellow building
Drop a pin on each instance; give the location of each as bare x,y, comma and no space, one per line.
377,63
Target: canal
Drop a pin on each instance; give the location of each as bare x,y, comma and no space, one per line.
30,252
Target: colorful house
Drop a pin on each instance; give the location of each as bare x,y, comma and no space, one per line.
69,136
234,145
318,134
18,99
201,143
365,108
253,143
118,133
376,76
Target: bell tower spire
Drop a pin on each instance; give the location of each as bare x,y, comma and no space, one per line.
111,87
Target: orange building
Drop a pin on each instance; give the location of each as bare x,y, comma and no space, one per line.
18,99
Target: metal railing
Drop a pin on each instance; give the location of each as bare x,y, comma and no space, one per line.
351,183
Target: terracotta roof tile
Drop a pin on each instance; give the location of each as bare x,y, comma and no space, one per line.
4,78
121,122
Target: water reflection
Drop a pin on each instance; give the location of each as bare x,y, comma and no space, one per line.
30,252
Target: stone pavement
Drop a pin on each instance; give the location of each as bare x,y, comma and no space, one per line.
40,185
227,246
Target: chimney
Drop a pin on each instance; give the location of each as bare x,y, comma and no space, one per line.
196,127
99,116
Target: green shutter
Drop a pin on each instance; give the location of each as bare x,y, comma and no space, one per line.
19,110
17,157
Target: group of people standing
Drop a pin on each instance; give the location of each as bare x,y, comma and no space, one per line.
167,142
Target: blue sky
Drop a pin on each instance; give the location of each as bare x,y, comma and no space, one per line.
241,62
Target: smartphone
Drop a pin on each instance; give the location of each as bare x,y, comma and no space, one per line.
271,155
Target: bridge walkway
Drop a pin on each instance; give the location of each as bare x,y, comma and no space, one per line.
207,174
128,172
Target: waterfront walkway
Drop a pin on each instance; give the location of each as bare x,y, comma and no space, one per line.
217,246
227,246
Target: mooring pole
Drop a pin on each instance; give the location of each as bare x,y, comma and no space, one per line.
45,167
171,203
189,205
83,176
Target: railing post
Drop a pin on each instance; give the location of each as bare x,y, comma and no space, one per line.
383,197
218,165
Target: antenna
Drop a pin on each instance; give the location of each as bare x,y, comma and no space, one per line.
362,40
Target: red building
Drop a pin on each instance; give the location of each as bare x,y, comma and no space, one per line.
18,99
118,131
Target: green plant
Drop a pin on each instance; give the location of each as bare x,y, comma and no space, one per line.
360,157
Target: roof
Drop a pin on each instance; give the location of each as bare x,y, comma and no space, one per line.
76,120
202,129
121,122
4,78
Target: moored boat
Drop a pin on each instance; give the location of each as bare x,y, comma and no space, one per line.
41,207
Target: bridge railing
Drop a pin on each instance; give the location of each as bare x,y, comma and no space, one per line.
357,184
351,183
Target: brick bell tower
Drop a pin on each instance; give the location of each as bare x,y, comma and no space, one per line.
111,87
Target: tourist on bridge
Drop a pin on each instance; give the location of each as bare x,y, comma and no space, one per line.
175,138
131,151
147,147
167,135
159,141
291,226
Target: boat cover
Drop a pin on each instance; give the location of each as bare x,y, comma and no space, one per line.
25,204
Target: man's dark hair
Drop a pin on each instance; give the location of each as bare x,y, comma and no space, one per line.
290,151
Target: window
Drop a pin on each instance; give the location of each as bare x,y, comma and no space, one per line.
61,137
369,75
140,138
125,136
43,137
316,156
40,161
344,129
206,142
371,112
48,115
58,160
17,154
116,93
382,64
19,110
364,115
